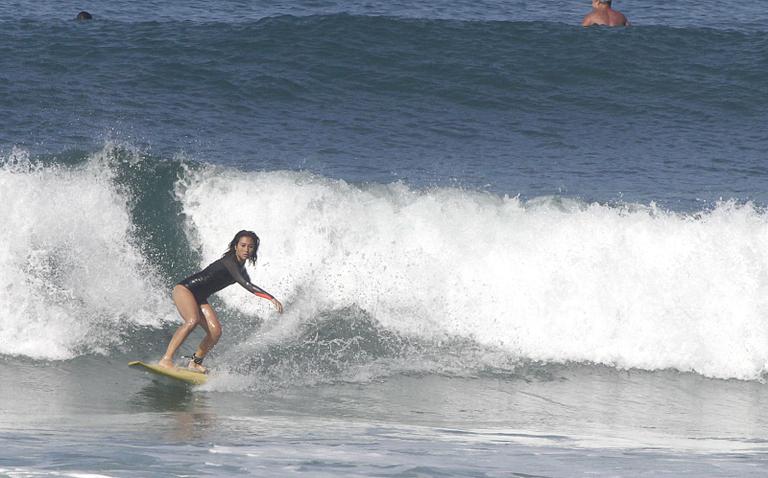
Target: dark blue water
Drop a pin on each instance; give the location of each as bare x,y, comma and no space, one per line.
506,100
506,244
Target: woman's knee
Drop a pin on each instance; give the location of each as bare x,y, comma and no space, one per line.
214,330
212,324
190,323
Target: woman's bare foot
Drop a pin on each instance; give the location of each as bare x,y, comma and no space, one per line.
196,367
166,363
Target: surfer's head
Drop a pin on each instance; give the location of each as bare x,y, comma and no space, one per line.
244,246
84,16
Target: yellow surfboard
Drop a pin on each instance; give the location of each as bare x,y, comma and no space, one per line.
183,374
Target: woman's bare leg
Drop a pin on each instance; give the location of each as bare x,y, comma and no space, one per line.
191,314
212,327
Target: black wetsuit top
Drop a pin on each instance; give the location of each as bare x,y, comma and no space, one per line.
221,273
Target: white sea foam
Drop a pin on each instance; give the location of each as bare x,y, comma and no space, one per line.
70,280
546,280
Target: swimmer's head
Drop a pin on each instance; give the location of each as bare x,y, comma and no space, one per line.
84,16
605,2
232,249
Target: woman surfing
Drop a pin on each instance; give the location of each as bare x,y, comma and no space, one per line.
191,297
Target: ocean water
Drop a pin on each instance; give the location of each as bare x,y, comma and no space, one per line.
506,245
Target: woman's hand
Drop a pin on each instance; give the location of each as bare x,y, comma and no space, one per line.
277,305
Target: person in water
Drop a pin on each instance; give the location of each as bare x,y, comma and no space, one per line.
191,297
603,14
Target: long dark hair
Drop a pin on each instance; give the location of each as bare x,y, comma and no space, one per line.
231,250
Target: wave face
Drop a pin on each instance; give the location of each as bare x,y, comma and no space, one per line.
427,279
546,280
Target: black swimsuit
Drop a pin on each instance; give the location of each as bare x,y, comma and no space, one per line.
221,273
